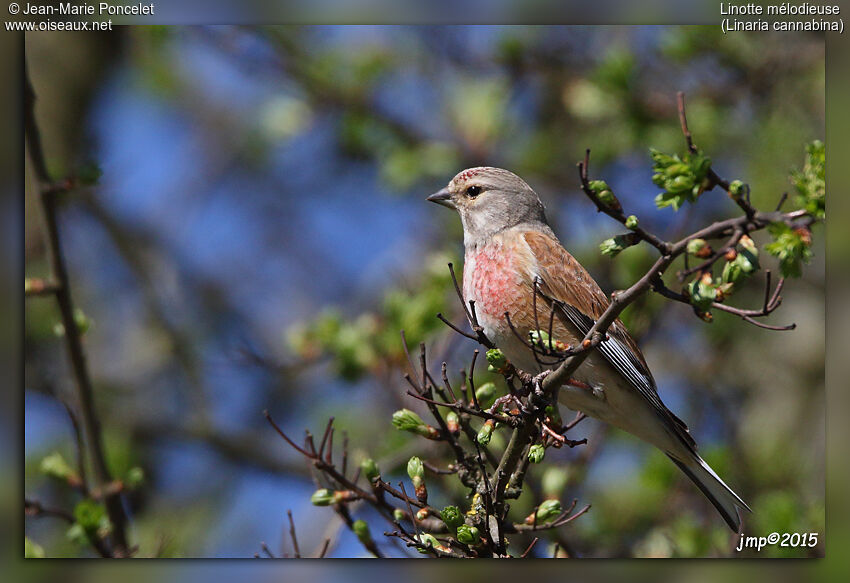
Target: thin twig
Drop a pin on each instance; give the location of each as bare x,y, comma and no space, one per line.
292,534
47,191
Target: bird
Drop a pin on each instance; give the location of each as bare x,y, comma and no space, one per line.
511,256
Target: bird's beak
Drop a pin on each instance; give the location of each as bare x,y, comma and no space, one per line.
443,197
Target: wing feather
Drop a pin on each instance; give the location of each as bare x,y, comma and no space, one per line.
580,303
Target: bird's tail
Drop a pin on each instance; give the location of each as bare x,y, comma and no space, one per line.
715,489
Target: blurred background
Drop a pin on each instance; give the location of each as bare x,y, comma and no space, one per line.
258,236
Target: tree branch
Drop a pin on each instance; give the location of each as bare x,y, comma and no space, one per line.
47,191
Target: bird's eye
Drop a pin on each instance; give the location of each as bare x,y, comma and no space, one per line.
473,191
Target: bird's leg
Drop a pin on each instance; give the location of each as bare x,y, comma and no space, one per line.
560,440
538,380
577,383
504,400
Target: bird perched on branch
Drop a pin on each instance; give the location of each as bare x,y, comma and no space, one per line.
513,264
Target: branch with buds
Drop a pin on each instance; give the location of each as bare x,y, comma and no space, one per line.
466,419
99,519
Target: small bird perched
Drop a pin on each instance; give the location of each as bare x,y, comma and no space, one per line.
508,246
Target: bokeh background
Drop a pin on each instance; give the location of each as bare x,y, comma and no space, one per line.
258,237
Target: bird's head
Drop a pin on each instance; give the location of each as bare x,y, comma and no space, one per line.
490,200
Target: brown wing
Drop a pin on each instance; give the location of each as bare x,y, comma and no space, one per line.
583,302
566,280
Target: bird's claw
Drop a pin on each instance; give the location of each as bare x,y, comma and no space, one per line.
538,380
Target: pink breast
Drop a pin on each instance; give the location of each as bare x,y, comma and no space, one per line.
494,278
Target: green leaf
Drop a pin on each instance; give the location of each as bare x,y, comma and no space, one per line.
452,517
682,177
791,247
810,182
55,466
468,535
612,247
536,453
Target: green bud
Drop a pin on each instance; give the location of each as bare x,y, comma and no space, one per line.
724,290
370,470
468,535
135,477
791,247
598,186
361,530
536,453
427,540
539,338
453,422
732,271
486,395
631,222
92,517
604,193
611,247
399,515
748,261
702,292
485,433
680,184
700,165
322,497
607,198
736,188
55,466
496,360
661,159
547,511
677,169
749,245
407,420
665,199
452,517
415,470
82,321
695,246
658,179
